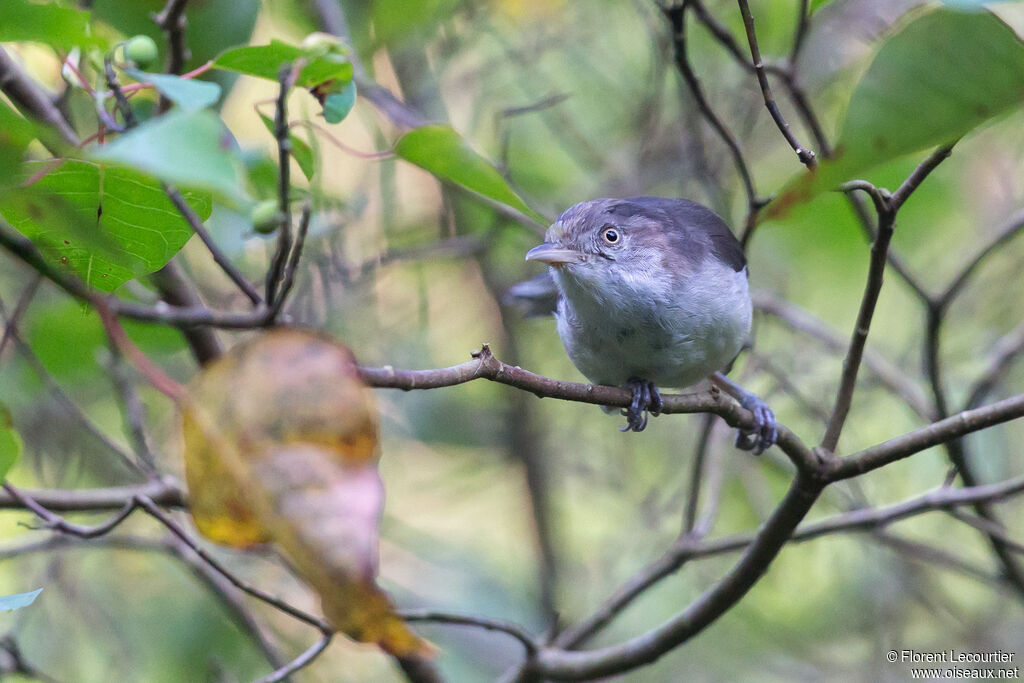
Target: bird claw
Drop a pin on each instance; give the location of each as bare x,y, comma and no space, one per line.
765,432
646,400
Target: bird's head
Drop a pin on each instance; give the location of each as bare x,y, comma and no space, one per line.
613,244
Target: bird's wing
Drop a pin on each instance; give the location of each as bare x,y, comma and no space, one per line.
698,225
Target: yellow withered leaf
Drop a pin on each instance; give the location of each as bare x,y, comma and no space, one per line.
281,441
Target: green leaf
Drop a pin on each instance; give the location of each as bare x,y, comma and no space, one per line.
189,148
56,25
437,148
944,73
15,134
187,93
301,151
10,442
9,603
338,104
265,61
106,224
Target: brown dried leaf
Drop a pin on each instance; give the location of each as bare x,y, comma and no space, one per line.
281,445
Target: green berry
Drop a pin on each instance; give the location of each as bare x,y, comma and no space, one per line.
322,44
142,50
265,217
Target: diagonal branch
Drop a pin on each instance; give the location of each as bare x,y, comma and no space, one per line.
676,16
887,208
805,156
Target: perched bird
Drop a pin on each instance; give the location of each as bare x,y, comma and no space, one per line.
648,292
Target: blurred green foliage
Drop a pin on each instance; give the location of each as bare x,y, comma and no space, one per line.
548,103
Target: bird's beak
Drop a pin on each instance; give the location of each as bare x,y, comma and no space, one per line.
554,254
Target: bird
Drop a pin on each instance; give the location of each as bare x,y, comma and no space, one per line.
648,292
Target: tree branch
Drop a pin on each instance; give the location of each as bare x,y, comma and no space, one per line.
918,440
887,208
31,98
485,366
805,156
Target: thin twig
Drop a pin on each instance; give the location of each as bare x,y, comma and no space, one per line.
286,79
11,322
1014,226
676,16
61,397
154,511
293,263
171,19
887,208
219,257
1003,353
508,628
57,523
885,371
132,410
805,155
32,98
300,662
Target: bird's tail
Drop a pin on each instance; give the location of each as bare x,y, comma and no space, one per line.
535,297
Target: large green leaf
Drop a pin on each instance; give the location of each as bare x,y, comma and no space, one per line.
942,74
265,61
188,93
190,148
10,442
106,224
57,25
438,149
18,600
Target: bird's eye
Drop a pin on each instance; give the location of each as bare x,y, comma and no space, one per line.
611,235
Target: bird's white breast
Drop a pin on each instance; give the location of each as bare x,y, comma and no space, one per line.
638,325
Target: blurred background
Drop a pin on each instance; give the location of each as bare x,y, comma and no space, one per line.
501,504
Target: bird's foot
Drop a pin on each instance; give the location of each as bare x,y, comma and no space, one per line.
646,399
763,435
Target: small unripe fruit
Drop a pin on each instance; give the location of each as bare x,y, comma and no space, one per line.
142,50
265,217
321,43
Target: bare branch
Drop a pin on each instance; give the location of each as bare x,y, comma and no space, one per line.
866,519
293,263
1003,353
568,665
486,366
171,20
286,80
300,662
514,630
805,156
219,257
918,440
887,372
154,511
887,207
164,492
31,98
677,18
1012,229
